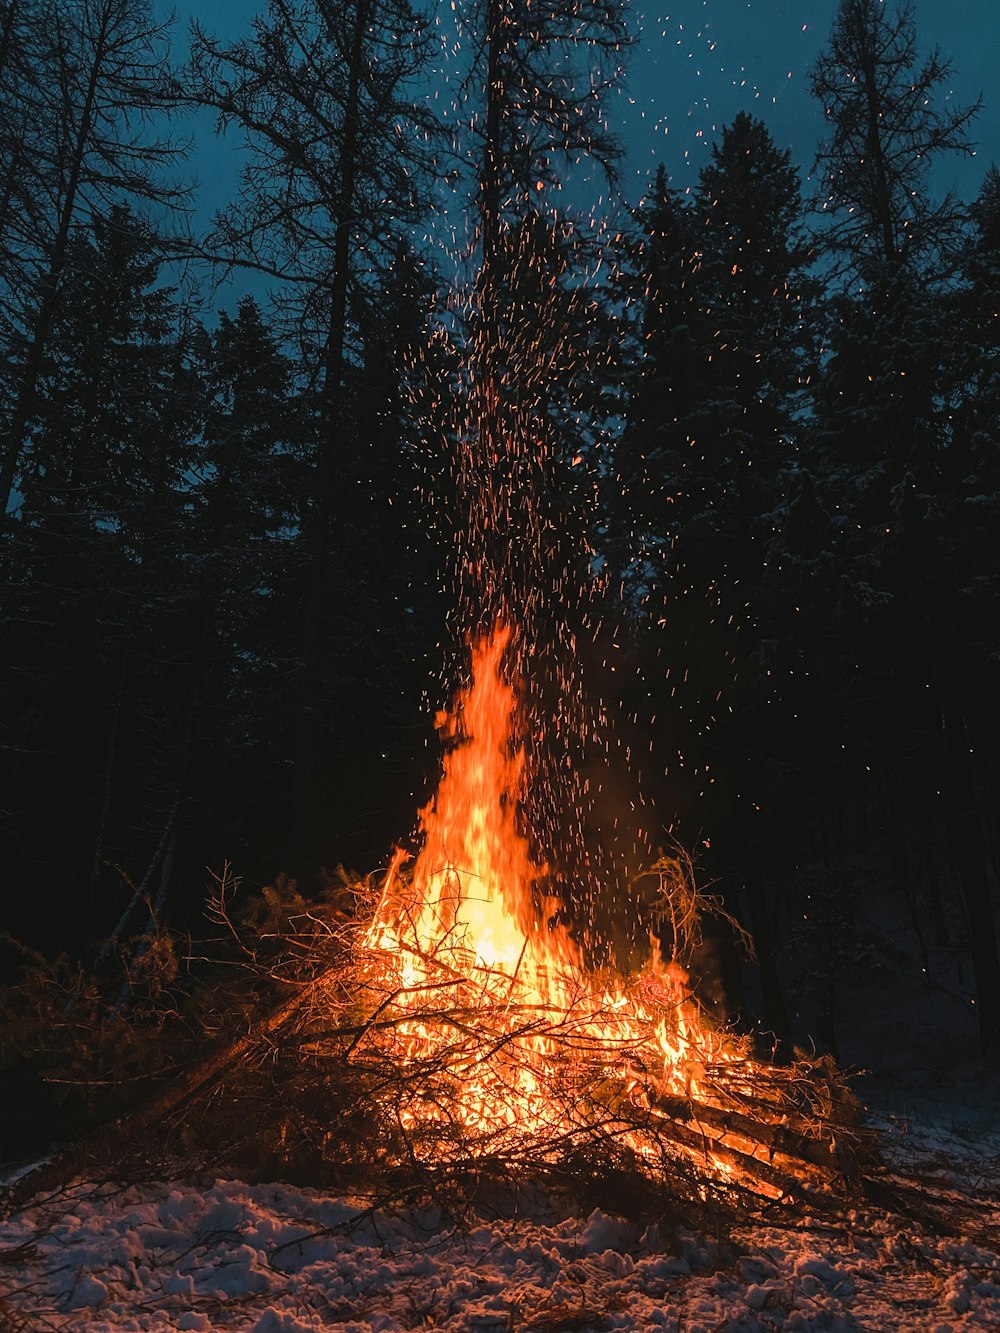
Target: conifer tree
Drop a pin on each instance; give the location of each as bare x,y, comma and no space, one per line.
94,593
886,446
238,553
725,355
709,441
90,75
341,146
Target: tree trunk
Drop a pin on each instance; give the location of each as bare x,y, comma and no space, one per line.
325,506
775,1014
479,586
489,207
110,760
932,872
873,147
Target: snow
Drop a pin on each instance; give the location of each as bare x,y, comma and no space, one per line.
276,1258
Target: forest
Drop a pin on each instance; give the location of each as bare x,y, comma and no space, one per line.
726,456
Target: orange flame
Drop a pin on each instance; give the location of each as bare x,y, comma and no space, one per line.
471,930
473,902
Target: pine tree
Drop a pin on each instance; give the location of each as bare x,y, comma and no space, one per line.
104,476
666,382
755,261
709,442
89,458
90,73
237,554
342,147
891,461
726,347
394,605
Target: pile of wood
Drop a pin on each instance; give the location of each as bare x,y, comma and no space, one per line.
323,1070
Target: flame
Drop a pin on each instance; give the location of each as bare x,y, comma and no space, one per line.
485,986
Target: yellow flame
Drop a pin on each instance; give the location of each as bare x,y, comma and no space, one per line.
472,945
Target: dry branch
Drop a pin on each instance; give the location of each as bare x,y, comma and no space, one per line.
335,1065
59,1170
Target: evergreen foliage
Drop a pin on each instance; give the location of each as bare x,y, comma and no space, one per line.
755,464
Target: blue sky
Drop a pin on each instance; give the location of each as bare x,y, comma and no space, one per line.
696,64
699,62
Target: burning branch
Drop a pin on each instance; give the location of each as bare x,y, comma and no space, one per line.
452,1031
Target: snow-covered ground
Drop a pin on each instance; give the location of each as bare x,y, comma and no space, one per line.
272,1258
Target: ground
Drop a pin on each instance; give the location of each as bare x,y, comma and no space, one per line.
237,1257
273,1258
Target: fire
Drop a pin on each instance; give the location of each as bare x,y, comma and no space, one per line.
487,994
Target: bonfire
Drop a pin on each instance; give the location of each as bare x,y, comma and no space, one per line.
449,1035
508,1048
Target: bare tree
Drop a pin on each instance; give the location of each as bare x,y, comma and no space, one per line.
535,101
889,119
91,73
535,96
343,148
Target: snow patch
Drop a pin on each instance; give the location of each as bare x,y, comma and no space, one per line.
239,1258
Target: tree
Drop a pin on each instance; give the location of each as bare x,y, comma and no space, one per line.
888,123
537,91
661,301
395,602
754,259
92,448
15,88
886,448
725,313
885,339
235,554
702,465
541,74
341,147
538,85
964,583
93,71
90,594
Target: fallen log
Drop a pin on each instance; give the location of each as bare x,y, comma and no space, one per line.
786,1183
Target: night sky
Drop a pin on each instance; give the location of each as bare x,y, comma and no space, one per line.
699,62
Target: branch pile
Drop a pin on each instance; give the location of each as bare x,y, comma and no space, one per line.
340,1074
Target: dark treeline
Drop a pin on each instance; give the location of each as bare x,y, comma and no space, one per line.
222,601
228,563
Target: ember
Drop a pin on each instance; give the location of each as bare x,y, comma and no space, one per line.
509,1045
450,1037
